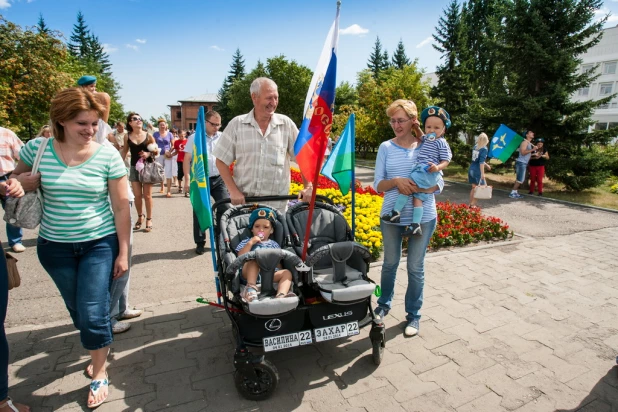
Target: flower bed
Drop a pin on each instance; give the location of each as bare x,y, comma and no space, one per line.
458,224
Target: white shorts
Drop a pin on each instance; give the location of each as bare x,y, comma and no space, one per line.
175,166
167,166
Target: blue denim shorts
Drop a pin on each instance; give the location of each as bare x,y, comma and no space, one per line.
82,271
520,172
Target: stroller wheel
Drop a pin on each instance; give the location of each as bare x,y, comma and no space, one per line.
267,380
377,351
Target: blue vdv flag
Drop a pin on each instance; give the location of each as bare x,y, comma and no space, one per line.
504,143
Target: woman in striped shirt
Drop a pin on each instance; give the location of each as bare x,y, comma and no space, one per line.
82,244
396,159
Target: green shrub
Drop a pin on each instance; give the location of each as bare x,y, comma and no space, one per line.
588,168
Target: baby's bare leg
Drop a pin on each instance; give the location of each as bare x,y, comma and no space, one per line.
250,272
417,202
284,279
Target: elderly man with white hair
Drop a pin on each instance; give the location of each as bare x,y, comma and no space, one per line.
262,144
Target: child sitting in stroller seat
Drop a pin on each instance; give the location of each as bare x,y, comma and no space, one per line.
261,224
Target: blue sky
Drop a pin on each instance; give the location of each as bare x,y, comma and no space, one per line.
163,51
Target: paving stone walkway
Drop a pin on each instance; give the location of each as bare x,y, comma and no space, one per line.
525,325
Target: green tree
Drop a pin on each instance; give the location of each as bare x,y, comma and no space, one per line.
400,59
454,90
292,81
42,26
79,44
385,60
345,95
375,96
237,72
376,59
543,40
32,69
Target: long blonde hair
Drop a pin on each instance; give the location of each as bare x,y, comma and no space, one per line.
481,141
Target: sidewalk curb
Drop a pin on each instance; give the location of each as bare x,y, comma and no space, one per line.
541,198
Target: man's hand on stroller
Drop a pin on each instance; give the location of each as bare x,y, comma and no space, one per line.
305,194
236,197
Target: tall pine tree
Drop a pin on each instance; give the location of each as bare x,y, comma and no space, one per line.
400,58
79,44
236,73
376,59
385,60
41,26
544,75
454,90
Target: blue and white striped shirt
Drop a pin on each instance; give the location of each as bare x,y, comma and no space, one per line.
400,163
434,151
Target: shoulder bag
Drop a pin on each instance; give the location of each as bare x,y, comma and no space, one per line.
152,173
482,192
27,211
11,266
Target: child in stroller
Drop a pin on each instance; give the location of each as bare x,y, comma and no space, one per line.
261,224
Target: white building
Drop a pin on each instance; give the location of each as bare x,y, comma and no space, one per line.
603,59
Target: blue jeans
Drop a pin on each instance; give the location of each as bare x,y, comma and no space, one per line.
119,294
4,344
520,172
417,247
82,272
13,233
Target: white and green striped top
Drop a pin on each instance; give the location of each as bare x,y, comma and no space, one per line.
76,207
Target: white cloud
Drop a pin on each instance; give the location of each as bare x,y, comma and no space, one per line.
108,48
612,18
353,30
4,4
132,46
424,42
217,48
141,41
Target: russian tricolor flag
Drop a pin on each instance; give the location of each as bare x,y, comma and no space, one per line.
319,106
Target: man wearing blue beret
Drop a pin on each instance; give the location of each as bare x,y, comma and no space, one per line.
90,83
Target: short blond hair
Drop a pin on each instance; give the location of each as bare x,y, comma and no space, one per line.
482,140
408,106
67,104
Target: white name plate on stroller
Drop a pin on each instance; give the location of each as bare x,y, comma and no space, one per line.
290,340
336,331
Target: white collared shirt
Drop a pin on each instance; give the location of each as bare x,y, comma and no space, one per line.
211,142
262,159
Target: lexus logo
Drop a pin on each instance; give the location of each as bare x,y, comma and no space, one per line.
273,325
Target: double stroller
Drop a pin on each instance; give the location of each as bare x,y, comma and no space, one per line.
333,291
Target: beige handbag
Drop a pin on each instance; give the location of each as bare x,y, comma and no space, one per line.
11,266
482,192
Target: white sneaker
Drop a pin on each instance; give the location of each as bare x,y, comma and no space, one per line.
131,313
120,327
18,248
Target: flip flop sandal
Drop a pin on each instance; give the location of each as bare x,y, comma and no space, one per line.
168,194
95,387
9,403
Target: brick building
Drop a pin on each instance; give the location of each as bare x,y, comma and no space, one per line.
184,114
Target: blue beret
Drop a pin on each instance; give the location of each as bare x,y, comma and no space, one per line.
86,80
262,213
437,112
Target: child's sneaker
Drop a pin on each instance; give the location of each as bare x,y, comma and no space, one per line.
515,195
392,217
413,230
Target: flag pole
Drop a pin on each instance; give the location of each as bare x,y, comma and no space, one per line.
353,184
211,228
314,192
